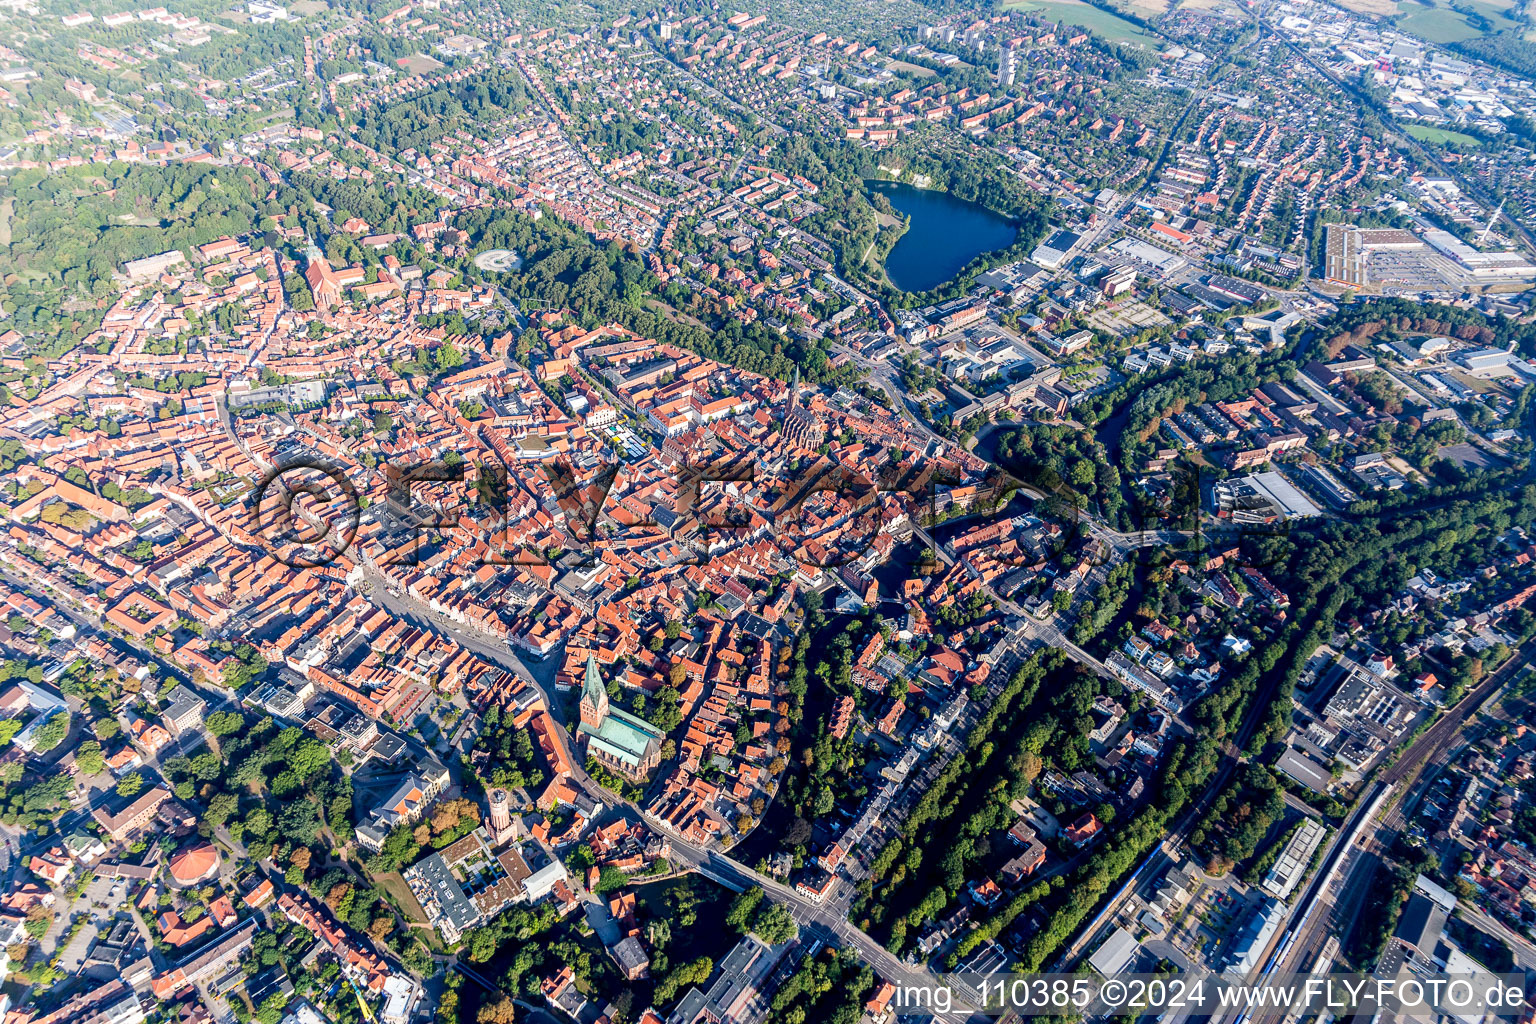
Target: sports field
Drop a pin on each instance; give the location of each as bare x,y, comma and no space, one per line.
1440,136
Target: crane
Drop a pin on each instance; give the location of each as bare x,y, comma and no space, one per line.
362,1003
1482,239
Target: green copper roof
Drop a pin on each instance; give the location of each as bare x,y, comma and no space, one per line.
623,736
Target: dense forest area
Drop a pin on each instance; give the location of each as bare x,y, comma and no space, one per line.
416,122
1501,49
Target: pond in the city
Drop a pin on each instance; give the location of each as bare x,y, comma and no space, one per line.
943,235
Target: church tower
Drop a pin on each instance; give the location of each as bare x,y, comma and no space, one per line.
324,285
594,696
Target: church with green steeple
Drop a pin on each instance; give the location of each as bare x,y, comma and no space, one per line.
614,738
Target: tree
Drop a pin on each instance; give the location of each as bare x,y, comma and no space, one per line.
447,357
52,732
221,808
205,767
481,944
308,758
271,1009
225,723
667,714
297,291
130,785
774,925
696,972
742,909
1029,766
299,821
89,759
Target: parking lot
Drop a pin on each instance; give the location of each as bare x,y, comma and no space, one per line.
1415,272
99,902
1127,319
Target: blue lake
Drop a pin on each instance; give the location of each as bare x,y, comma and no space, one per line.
943,235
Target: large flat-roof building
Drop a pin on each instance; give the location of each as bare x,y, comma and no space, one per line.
1262,498
1053,253
468,883
737,983
1114,953
1288,870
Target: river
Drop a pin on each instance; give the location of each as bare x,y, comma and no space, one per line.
943,235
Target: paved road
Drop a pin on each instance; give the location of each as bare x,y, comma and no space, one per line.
806,912
1042,634
1523,948
538,674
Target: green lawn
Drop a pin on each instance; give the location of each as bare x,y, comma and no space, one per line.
1100,23
1440,136
1496,11
1437,24
395,884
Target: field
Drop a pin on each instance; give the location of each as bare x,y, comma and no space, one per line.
1440,136
1437,24
1375,8
911,69
1496,11
1100,23
419,64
